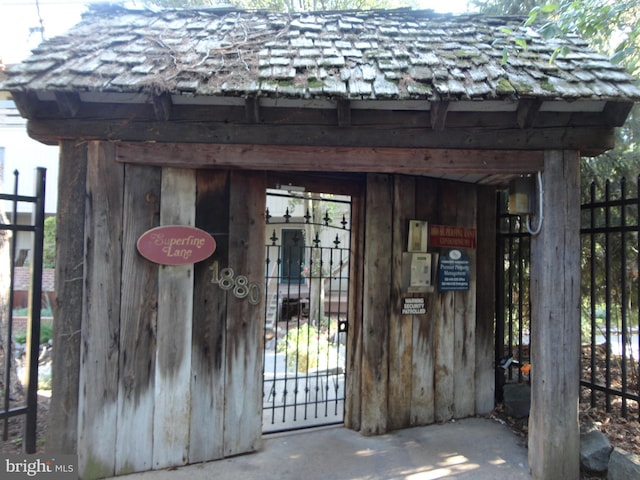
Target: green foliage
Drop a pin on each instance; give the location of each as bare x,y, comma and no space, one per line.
49,244
46,334
610,27
304,348
504,7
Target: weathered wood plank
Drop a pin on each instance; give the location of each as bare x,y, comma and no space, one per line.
464,362
171,417
485,306
62,429
591,139
554,437
98,392
353,382
444,312
326,158
245,322
400,326
134,447
377,304
209,323
444,343
485,114
423,378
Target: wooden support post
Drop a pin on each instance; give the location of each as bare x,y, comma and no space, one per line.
62,430
98,390
376,304
554,436
485,309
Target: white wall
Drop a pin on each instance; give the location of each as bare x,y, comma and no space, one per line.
19,152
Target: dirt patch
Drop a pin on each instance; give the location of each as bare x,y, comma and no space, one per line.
13,444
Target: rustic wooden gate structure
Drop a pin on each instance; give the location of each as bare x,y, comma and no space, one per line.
187,117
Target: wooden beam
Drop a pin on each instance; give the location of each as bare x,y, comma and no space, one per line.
527,112
485,301
68,103
138,316
400,326
174,332
244,320
616,113
331,159
344,113
62,430
162,106
208,359
252,109
587,139
100,333
376,308
439,112
27,103
554,433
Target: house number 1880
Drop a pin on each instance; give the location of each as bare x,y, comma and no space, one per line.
238,285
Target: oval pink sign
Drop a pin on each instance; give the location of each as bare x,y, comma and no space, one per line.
176,245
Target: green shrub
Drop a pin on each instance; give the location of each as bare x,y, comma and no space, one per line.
304,348
46,334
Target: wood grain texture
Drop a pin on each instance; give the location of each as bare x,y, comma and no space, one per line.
353,382
464,363
376,304
327,158
62,430
245,322
554,436
138,314
485,302
172,412
208,360
100,329
589,139
400,326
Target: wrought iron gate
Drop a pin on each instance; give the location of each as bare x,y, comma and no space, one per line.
28,408
306,310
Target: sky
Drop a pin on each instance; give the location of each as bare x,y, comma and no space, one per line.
20,21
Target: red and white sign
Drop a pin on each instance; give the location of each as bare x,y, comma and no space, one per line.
176,245
452,237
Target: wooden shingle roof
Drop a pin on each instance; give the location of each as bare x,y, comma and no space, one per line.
368,55
392,90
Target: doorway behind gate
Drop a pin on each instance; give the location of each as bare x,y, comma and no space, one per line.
306,309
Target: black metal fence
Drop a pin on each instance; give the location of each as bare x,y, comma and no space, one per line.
29,405
610,305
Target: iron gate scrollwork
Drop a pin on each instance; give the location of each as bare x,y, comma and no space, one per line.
306,311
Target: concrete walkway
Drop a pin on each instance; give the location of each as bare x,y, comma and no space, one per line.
472,449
